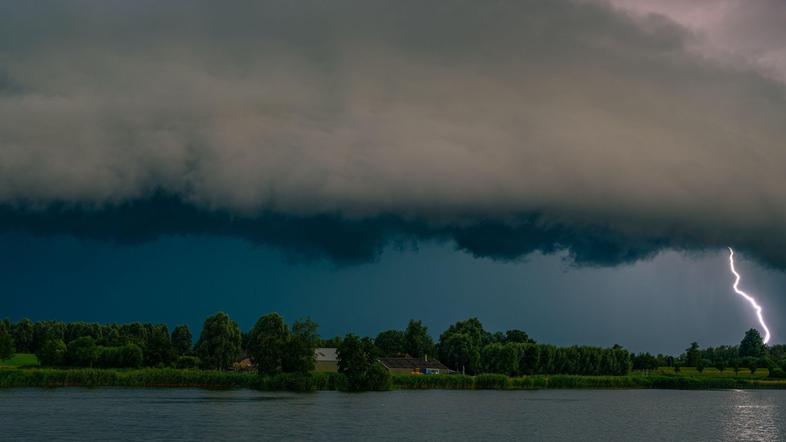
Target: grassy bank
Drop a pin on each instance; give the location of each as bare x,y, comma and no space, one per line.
174,378
165,378
499,382
19,360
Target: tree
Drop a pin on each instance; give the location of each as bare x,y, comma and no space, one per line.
182,340
23,336
6,342
501,358
52,353
130,356
299,353
752,345
390,342
460,352
159,349
267,343
357,361
645,361
219,343
417,342
693,355
82,352
518,336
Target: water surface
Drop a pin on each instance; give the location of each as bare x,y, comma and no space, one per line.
240,415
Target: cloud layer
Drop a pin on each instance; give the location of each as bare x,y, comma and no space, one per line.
506,127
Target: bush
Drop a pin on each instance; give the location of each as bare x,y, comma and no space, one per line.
82,352
52,353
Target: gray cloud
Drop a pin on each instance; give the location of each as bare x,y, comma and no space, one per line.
450,113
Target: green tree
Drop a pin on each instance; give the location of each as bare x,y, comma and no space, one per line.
390,342
501,358
417,342
518,336
182,340
460,352
219,343
299,352
82,352
159,349
357,360
752,344
23,336
693,355
130,356
267,343
6,341
52,353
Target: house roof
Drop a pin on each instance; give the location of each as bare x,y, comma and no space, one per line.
325,354
412,363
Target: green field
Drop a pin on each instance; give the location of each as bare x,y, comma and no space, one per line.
19,360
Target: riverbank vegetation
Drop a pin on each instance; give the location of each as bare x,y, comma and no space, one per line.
144,354
194,378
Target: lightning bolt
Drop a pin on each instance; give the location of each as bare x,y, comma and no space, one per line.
748,297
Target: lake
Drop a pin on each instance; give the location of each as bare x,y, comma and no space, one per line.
239,415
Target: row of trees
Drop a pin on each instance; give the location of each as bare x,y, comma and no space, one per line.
750,354
275,347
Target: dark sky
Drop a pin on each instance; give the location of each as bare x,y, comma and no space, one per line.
571,167
659,305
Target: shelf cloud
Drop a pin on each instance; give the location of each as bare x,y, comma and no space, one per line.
337,128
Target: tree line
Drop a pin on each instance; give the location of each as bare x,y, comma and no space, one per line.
275,347
751,354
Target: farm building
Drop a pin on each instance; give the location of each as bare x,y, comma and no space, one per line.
325,359
409,365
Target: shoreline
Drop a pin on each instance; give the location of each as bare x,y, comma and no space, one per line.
323,381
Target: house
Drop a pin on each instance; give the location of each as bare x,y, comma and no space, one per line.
410,365
325,359
244,364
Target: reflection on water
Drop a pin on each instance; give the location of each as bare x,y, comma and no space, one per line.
245,415
751,417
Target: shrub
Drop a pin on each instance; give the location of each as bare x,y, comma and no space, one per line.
52,353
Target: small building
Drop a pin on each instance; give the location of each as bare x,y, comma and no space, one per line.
244,364
410,365
325,359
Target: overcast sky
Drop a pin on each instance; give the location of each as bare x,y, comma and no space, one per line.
348,139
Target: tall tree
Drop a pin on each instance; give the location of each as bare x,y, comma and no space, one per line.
358,362
182,340
23,336
159,349
693,355
417,342
390,342
518,336
752,344
299,353
219,343
463,352
267,343
459,352
6,341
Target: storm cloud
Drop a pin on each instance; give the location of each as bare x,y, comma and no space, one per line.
337,128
